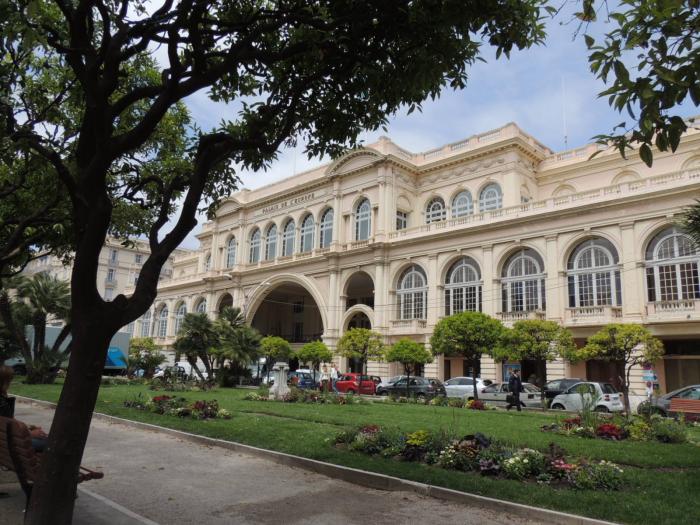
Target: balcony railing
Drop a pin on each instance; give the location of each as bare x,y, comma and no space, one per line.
667,310
508,318
408,326
593,315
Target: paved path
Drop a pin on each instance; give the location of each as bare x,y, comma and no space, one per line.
163,479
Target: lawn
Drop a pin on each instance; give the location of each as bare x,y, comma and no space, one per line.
662,481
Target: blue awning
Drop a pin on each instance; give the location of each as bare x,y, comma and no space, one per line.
115,358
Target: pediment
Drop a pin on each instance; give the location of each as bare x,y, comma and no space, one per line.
353,161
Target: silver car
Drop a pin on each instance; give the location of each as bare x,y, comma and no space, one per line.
496,394
463,387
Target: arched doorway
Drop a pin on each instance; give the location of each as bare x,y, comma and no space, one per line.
359,290
226,300
359,320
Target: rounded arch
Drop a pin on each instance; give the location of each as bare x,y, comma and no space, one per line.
307,230
403,203
625,176
490,196
692,163
362,212
325,226
574,242
461,203
648,234
401,269
257,296
447,265
505,257
353,160
352,312
563,190
223,301
353,275
200,305
434,209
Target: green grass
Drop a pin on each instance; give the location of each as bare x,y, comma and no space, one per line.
662,481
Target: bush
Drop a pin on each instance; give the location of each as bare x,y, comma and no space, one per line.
476,404
455,402
610,431
668,430
439,401
592,476
640,430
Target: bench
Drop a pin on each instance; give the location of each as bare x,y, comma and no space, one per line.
18,455
687,406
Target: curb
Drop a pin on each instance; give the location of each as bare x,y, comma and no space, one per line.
356,476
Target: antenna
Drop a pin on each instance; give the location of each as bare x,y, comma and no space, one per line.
563,112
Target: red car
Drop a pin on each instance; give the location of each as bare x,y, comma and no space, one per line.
350,383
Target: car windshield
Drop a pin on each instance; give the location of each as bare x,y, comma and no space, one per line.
530,388
608,388
394,379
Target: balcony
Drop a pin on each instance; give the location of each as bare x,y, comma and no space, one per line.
681,310
408,326
592,315
508,318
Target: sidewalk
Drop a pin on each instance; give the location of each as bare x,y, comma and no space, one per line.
167,480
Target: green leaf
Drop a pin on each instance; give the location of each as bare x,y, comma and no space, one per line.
646,155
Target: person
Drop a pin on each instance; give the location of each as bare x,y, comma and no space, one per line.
515,386
39,437
334,376
325,378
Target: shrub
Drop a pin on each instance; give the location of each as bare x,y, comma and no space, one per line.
476,404
668,430
601,475
640,430
610,431
454,402
439,401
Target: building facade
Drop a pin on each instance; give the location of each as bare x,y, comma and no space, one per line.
393,240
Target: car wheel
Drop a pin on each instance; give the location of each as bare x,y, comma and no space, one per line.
602,409
420,395
382,393
557,406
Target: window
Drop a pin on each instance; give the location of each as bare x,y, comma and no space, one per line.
288,238
593,275
435,210
113,255
363,220
110,275
523,282
271,243
207,263
163,322
201,307
130,328
254,255
307,233
179,316
490,198
136,278
326,230
108,294
463,287
462,204
146,324
413,294
401,220
231,252
138,258
672,267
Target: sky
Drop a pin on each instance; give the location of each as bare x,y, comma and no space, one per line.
548,91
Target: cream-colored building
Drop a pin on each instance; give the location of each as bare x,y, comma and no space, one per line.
394,240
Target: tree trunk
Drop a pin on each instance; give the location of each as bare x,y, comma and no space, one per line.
54,492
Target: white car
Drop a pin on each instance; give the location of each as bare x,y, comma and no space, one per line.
497,393
602,396
185,369
463,386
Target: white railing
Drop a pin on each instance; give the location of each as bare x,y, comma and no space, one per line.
593,314
408,325
679,308
520,316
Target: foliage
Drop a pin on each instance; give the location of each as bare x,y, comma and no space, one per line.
662,35
236,343
656,428
410,354
667,430
629,344
315,352
144,354
275,348
362,344
180,407
196,339
610,431
468,335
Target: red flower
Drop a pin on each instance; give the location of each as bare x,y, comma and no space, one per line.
572,422
161,399
609,431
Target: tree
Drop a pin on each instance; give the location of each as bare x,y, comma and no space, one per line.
362,344
535,340
663,36
274,349
238,343
315,352
410,354
196,339
632,345
467,335
82,99
144,354
38,299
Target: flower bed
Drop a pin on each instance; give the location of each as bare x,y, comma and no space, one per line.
180,407
298,395
478,453
655,428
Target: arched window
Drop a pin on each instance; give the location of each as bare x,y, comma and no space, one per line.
146,324
201,307
463,287
672,260
490,198
179,316
163,322
271,243
207,262
462,204
307,233
326,231
288,238
523,282
435,210
593,275
363,220
254,246
413,293
231,253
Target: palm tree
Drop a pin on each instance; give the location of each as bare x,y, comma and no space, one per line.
196,339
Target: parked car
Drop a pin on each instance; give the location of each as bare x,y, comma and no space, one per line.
382,387
418,387
662,404
350,384
302,380
463,386
606,398
557,386
496,394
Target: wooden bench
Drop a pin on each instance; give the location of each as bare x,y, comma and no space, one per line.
687,406
18,455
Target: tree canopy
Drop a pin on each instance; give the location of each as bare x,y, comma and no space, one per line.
315,352
144,354
410,354
361,344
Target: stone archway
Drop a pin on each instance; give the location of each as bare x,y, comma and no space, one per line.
226,300
359,289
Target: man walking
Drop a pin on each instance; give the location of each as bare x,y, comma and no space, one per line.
515,386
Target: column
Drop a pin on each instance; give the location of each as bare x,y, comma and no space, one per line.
334,312
511,189
490,291
337,216
554,286
432,290
380,230
632,296
380,296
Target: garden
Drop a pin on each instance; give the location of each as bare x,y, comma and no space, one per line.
636,479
